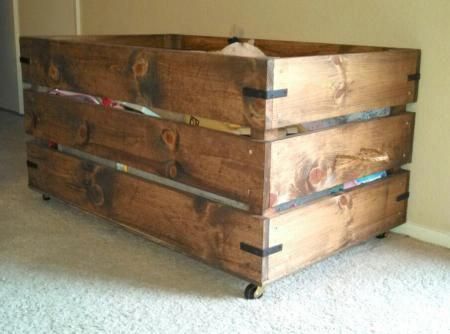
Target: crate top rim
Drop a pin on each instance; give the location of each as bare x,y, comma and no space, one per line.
108,40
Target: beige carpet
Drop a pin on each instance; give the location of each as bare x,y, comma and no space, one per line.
63,271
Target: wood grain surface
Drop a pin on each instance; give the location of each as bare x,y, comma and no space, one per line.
177,73
328,86
272,48
310,162
196,83
191,224
212,232
232,166
315,231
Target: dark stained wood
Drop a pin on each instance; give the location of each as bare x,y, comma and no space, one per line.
315,231
163,74
329,86
310,162
395,110
213,232
193,225
164,41
176,74
273,48
195,83
229,165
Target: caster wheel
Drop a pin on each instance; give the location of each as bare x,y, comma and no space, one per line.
381,236
45,197
253,291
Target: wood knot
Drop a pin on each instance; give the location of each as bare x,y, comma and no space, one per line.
254,113
95,195
170,138
140,67
316,175
53,72
345,201
83,133
171,169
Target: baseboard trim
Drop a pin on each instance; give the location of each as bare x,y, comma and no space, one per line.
424,234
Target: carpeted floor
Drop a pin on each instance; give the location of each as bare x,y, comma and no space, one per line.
63,271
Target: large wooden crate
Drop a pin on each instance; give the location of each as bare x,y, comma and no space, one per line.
216,196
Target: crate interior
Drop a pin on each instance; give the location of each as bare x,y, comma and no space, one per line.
271,48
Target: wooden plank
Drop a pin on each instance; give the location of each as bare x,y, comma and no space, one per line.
195,83
193,225
165,41
275,48
210,85
310,162
229,165
312,232
329,86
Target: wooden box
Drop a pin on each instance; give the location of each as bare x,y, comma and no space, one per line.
210,194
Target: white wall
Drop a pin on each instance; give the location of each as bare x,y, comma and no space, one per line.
10,85
48,17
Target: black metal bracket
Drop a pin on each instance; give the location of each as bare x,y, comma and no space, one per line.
32,164
403,196
414,77
264,94
232,40
261,252
25,60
